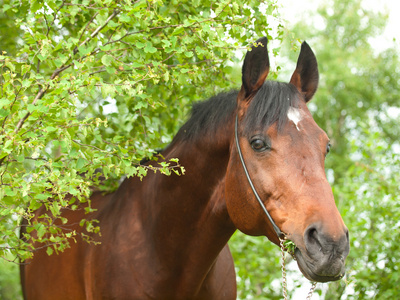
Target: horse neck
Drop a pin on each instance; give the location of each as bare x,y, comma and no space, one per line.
191,224
200,190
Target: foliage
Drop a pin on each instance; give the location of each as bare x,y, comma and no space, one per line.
98,85
91,87
10,288
257,266
290,246
373,216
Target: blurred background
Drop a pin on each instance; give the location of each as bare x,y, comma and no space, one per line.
357,45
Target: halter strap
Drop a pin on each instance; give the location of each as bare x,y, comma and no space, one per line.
278,232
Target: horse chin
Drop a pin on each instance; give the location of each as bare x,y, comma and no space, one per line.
308,267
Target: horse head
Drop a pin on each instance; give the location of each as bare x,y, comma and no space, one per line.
284,152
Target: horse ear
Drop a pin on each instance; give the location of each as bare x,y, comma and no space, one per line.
306,75
255,67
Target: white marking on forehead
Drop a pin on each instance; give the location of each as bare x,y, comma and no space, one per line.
294,115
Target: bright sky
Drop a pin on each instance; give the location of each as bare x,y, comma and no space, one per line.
291,9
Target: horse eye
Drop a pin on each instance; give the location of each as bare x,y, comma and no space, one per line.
259,145
328,148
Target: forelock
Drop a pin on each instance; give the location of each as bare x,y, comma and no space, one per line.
271,104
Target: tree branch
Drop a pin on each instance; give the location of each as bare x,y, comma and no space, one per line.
23,119
65,66
116,12
87,25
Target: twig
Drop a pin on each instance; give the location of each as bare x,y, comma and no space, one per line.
90,146
84,6
22,120
87,25
116,12
55,15
43,90
47,24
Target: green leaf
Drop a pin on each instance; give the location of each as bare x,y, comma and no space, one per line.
80,163
26,83
40,229
20,158
35,6
178,30
10,191
49,251
4,112
25,69
125,18
140,45
111,70
50,129
78,64
189,54
34,204
166,43
4,101
10,65
149,48
6,7
84,50
107,60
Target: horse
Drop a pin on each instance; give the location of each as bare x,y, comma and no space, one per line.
254,161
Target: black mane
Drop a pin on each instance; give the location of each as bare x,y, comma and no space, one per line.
270,105
207,116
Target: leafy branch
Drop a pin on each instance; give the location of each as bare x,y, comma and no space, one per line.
64,67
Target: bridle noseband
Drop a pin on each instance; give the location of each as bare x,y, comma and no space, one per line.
278,232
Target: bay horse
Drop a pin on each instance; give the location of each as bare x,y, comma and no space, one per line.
165,237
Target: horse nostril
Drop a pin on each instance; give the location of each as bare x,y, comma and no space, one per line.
318,241
311,233
326,248
311,239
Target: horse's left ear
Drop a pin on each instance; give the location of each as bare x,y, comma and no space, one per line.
306,75
255,67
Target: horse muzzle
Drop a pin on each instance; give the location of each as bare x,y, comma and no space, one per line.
323,257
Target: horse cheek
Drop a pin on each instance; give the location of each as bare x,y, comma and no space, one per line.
242,211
